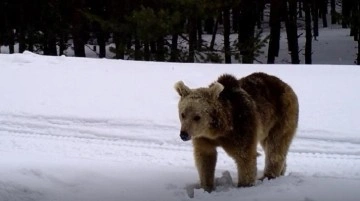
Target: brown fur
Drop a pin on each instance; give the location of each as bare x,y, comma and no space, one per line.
236,115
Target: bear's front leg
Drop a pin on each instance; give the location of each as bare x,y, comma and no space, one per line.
205,159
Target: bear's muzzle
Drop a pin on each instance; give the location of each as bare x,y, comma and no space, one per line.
185,136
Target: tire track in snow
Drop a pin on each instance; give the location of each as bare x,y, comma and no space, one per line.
103,141
83,128
145,134
309,135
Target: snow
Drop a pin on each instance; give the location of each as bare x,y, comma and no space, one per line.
334,45
100,129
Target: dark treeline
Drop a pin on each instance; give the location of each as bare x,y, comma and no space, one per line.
172,30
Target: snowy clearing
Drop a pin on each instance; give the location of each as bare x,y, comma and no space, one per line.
98,129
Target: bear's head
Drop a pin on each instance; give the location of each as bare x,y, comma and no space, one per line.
199,111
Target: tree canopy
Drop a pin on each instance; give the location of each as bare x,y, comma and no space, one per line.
171,30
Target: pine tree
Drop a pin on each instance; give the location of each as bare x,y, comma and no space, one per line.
275,26
78,28
291,30
246,30
308,43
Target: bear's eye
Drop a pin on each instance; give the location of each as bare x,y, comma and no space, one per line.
182,115
197,118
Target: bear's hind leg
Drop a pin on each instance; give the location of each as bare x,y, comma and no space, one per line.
205,159
246,167
276,146
282,173
245,159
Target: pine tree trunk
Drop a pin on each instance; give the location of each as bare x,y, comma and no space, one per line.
324,12
308,35
315,17
235,17
102,44
358,54
301,7
77,30
119,46
357,6
291,30
214,32
61,42
274,43
192,38
137,55
333,12
226,17
30,41
22,41
146,51
199,34
51,43
209,25
79,45
160,54
354,30
21,31
247,25
260,13
354,22
153,47
358,32
174,48
345,13
11,41
119,37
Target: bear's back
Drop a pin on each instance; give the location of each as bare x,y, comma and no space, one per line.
263,86
273,97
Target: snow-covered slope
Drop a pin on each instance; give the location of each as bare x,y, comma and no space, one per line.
97,129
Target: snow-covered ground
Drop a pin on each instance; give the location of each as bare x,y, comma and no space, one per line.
75,129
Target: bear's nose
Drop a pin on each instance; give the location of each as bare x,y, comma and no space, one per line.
184,136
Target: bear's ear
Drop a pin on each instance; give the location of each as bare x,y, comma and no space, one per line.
216,88
182,89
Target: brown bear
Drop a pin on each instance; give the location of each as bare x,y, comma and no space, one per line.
236,115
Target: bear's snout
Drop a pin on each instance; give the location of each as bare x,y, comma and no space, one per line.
185,136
